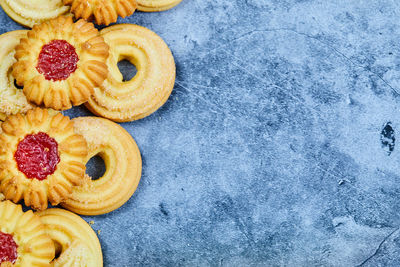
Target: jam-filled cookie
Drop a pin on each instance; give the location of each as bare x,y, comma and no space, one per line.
75,241
60,62
156,5
103,12
31,12
123,168
12,100
121,100
23,240
41,158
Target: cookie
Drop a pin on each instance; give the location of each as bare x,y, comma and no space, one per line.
31,12
41,158
103,12
23,239
75,241
156,5
123,168
123,101
12,100
60,62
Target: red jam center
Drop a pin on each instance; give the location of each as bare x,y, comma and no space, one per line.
57,60
37,156
8,248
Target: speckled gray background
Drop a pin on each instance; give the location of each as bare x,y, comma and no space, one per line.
270,150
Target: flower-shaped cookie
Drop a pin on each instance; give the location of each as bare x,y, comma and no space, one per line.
23,240
41,158
102,11
60,62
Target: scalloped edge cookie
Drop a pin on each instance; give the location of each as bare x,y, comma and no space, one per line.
35,248
91,69
103,12
72,149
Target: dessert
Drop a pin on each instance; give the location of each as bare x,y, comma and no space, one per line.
156,5
41,158
31,12
123,168
121,100
23,240
12,100
103,12
60,62
76,243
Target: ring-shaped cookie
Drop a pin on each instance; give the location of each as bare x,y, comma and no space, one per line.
156,5
12,100
24,235
60,62
75,241
31,12
41,158
123,101
123,168
103,12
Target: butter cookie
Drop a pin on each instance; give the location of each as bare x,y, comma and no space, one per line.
41,158
76,244
31,12
12,100
103,12
123,168
60,62
23,240
123,101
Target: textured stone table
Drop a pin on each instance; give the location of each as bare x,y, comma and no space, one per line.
274,148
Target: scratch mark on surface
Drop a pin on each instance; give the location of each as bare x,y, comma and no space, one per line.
202,98
379,247
338,52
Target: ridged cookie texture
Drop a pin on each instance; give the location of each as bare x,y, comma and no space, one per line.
123,101
31,12
76,242
91,69
12,100
35,247
69,172
103,12
123,168
156,5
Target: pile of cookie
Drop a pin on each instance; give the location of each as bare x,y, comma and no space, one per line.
58,64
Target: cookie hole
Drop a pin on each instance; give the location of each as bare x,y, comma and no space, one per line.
127,69
96,167
17,86
58,248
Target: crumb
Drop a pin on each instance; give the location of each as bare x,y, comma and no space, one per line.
91,222
98,232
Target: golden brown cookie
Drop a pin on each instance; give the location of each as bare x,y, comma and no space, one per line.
41,158
31,12
75,241
60,62
123,168
103,12
23,239
123,101
156,5
12,100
